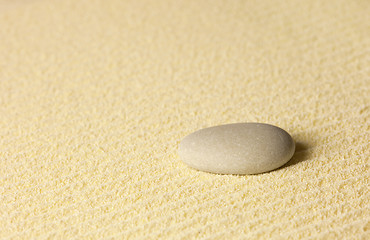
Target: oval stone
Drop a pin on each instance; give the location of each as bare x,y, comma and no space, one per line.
239,148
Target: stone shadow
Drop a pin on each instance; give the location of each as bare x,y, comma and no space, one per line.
300,155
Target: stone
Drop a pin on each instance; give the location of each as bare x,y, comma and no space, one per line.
239,148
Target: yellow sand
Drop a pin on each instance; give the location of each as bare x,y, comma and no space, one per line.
95,96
